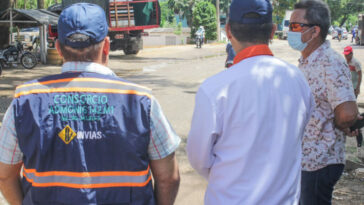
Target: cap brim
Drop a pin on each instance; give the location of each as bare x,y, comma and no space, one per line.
347,52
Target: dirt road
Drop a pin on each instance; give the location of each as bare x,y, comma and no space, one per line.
174,73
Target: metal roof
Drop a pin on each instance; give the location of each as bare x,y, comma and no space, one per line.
29,17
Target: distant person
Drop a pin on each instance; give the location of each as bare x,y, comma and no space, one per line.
355,69
201,32
230,55
353,34
86,136
356,75
246,130
329,78
339,33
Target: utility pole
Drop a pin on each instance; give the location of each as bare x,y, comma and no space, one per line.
218,19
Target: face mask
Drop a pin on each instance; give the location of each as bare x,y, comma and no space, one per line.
294,40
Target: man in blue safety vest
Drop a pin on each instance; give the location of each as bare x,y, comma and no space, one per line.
86,136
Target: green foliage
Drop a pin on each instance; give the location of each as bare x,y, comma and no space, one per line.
343,10
178,29
204,14
167,15
32,4
279,9
183,8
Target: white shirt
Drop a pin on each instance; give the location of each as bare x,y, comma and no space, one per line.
246,131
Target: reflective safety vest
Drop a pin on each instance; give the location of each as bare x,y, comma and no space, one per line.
84,137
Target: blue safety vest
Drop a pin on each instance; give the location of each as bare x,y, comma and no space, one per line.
85,138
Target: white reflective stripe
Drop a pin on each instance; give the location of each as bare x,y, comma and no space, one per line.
80,84
31,177
87,180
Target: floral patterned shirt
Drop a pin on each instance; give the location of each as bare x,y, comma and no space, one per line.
329,78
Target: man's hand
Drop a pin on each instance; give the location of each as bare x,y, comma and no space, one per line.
351,133
10,183
355,132
357,92
166,179
346,114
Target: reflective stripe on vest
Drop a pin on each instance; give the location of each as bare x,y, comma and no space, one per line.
95,85
85,180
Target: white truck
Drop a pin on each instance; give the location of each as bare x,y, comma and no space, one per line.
285,25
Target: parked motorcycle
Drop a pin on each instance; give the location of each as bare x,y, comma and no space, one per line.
198,40
15,54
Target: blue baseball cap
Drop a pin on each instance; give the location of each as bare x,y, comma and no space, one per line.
81,25
251,11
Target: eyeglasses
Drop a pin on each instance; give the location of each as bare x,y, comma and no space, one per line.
297,27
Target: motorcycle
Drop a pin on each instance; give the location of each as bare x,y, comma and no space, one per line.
15,54
198,40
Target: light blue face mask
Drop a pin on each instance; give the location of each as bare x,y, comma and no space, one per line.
294,40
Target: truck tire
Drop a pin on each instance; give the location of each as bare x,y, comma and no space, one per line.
129,51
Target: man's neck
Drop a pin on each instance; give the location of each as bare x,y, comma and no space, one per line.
311,47
241,46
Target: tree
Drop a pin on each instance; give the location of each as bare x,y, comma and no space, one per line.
344,9
279,9
40,4
183,8
4,35
167,15
218,19
204,14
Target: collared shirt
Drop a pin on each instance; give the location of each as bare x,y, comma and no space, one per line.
246,131
355,67
163,139
329,78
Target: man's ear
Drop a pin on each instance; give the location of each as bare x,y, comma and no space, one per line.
316,31
228,31
274,28
106,47
58,47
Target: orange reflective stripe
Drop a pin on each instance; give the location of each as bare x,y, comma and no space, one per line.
85,186
87,174
94,90
82,80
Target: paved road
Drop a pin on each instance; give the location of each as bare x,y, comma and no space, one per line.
174,73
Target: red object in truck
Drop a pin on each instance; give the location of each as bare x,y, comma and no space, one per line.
52,31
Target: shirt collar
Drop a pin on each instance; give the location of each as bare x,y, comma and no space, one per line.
86,67
315,54
252,51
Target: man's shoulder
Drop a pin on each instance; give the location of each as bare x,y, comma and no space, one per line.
328,59
247,72
356,61
117,82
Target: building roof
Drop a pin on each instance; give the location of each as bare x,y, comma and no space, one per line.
29,17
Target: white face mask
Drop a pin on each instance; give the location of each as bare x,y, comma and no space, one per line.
295,40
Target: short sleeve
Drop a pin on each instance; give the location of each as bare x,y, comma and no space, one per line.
357,66
163,139
338,84
9,148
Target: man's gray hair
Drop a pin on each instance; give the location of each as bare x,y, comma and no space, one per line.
317,12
